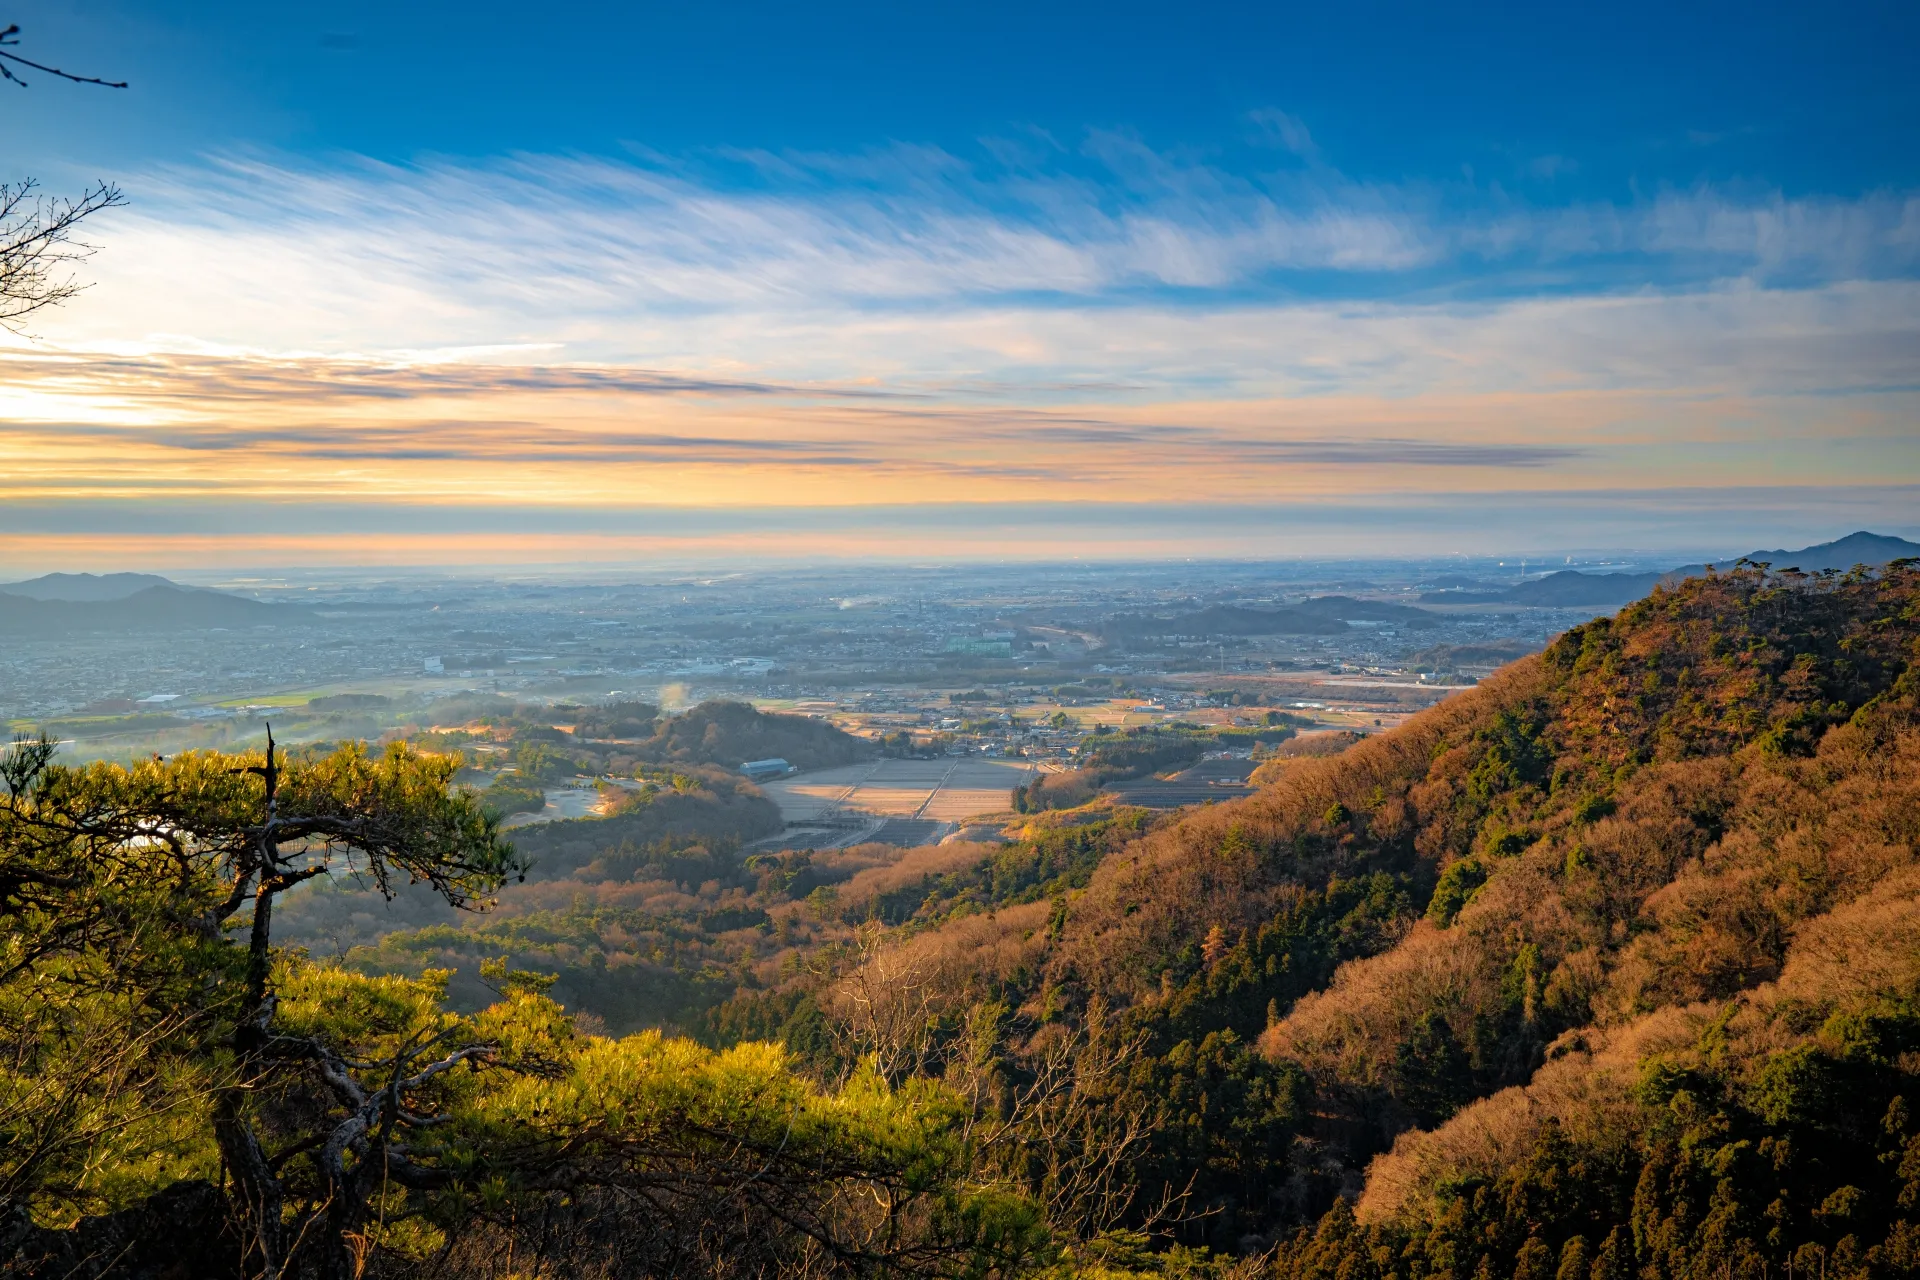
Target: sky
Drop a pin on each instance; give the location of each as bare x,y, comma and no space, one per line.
467,285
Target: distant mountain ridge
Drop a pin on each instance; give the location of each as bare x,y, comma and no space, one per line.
1870,549
87,586
1572,589
1567,589
89,605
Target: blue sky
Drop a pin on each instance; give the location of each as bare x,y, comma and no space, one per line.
1305,260
1549,103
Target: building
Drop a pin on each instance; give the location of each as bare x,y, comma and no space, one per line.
761,770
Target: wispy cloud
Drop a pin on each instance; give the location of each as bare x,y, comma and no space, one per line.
557,248
476,433
1285,130
159,377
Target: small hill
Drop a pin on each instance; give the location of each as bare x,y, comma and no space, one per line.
1349,609
155,608
1567,589
731,733
1571,589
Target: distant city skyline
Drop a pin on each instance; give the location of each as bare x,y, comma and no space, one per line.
430,287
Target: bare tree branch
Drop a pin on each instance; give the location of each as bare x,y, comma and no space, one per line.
37,245
11,36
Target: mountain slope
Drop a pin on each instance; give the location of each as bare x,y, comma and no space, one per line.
1641,821
1612,840
1699,986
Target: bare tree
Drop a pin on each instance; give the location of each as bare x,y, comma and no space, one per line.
1056,1113
890,1003
36,231
37,246
1050,1105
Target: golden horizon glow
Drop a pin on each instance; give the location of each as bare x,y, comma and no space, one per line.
95,425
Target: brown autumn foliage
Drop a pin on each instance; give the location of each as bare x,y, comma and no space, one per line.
1699,800
1708,794
1307,746
1863,951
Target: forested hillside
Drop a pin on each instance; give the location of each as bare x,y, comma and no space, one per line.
1662,1013
1638,914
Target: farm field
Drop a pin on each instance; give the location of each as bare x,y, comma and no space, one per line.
941,790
